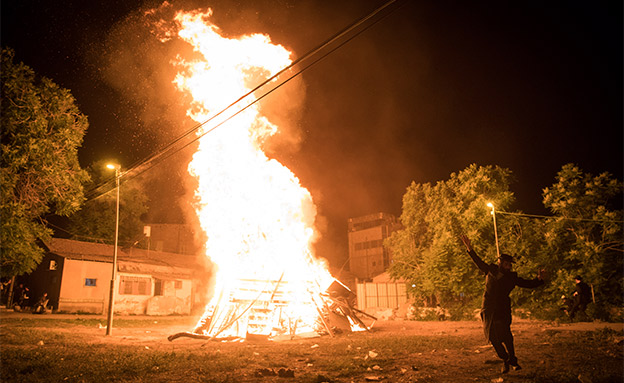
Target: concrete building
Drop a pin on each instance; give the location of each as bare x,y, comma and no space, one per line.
171,238
367,256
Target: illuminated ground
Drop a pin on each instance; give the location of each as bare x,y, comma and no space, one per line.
395,351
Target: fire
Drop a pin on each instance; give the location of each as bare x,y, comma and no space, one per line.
258,218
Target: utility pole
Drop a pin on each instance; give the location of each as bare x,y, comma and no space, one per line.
493,212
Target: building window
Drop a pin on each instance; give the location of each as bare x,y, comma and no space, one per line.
53,264
135,286
90,282
178,285
158,287
374,244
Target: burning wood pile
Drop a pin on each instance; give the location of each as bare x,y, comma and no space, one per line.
262,310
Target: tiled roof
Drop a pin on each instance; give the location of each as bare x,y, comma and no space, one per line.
97,252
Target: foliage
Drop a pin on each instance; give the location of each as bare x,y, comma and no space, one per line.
586,236
96,220
42,130
427,252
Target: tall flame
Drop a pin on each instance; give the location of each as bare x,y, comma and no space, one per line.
258,218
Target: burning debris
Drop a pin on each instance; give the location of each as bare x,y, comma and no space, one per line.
264,314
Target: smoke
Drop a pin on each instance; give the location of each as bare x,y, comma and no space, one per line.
137,61
137,64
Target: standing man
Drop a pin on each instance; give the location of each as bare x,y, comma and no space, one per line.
496,307
582,296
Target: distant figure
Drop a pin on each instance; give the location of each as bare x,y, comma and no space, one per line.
567,304
581,297
42,305
496,307
21,296
440,313
6,288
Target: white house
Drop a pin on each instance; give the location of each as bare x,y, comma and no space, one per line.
77,276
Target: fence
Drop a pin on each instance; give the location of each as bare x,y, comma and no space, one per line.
381,295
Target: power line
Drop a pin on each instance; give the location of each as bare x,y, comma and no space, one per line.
77,235
90,239
174,146
557,217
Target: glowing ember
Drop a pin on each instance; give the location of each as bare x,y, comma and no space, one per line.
258,219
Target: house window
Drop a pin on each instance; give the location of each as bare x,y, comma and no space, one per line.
90,282
135,286
52,264
158,287
178,285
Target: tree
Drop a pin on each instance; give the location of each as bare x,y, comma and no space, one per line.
585,237
96,220
42,130
427,253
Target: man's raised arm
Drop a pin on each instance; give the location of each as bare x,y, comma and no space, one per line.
475,258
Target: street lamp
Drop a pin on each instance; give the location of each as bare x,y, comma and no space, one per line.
109,323
493,212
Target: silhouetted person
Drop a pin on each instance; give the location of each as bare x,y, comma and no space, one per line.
6,288
440,312
581,296
567,304
21,296
42,304
496,307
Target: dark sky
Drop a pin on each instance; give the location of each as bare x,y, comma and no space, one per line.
430,89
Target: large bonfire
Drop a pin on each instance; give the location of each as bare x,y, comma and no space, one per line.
258,219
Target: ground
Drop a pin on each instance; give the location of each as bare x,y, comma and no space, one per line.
393,351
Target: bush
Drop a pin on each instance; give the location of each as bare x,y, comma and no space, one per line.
460,311
422,313
597,312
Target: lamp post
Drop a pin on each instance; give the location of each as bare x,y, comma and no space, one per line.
109,322
493,212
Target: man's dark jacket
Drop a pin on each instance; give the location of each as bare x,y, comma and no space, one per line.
584,293
498,284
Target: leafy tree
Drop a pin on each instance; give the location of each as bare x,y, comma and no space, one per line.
426,252
42,130
96,220
586,236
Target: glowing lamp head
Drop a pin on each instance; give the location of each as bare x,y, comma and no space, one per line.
113,166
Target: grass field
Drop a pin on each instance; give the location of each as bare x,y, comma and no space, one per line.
76,349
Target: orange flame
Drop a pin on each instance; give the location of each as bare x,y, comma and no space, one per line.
258,218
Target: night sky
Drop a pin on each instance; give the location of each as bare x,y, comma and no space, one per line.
428,90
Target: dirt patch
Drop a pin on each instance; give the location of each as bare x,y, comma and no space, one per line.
393,351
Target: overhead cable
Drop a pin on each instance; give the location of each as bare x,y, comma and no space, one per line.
174,146
557,217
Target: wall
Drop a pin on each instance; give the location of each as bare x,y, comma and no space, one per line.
133,292
46,278
367,256
366,252
75,296
176,298
172,238
175,295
